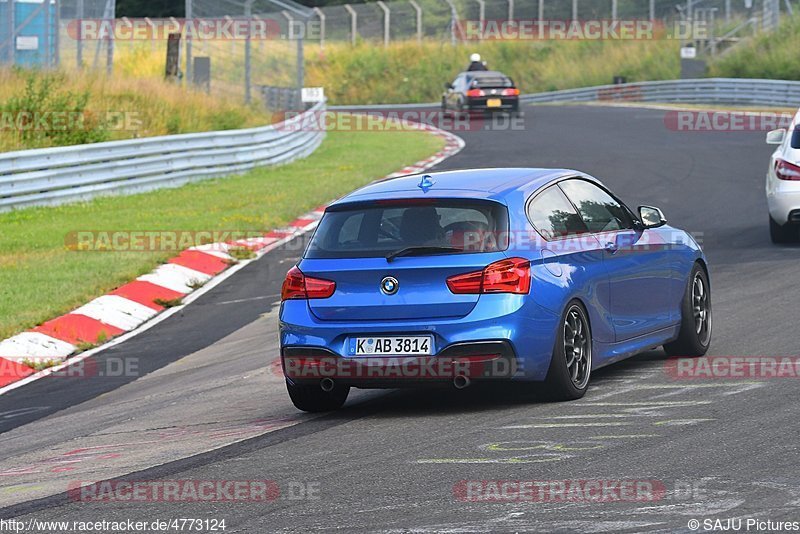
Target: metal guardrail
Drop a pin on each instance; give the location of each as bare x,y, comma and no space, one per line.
733,91
63,174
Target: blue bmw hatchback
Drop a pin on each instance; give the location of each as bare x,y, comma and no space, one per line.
539,275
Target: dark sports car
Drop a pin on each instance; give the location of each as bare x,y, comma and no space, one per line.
481,91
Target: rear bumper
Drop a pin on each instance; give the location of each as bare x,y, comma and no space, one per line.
522,326
472,361
784,201
481,104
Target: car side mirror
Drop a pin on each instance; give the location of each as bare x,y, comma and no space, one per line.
651,217
776,137
448,85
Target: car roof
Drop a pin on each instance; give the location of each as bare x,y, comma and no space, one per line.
494,184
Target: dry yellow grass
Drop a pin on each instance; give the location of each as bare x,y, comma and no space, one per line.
133,106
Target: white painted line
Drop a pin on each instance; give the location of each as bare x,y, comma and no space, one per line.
34,345
175,277
117,311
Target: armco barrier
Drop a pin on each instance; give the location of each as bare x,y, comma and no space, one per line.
64,174
731,91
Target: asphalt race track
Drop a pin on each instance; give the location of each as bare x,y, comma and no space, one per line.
209,404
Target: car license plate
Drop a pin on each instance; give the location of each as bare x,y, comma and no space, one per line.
493,103
394,346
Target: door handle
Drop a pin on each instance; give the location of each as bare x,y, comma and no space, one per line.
611,247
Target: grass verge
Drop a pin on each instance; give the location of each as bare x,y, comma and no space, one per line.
41,279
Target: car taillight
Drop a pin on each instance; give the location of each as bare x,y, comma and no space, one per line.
299,286
786,171
510,92
476,92
505,276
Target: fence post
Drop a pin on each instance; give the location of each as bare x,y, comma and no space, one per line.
652,10
321,16
56,36
112,10
453,21
574,9
510,9
386,21
187,17
481,17
541,10
12,31
353,23
46,36
614,8
418,10
248,11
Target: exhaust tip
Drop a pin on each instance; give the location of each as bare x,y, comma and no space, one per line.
460,382
327,384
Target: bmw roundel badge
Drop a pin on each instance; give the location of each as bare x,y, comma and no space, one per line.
390,285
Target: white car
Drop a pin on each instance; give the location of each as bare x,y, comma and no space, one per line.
783,183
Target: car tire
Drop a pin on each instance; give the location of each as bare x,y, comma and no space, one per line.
312,398
779,234
694,336
568,379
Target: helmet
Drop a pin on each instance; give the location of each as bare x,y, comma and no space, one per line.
475,57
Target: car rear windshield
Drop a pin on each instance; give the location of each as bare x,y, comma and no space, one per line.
379,229
491,80
796,138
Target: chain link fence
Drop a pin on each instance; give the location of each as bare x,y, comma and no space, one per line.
440,19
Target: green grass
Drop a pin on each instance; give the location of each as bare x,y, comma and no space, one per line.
770,55
41,279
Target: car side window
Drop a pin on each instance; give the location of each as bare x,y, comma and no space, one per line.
553,215
599,211
459,83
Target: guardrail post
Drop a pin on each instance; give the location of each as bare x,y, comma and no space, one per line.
614,7
386,21
574,9
541,10
321,16
652,10
510,9
418,11
353,23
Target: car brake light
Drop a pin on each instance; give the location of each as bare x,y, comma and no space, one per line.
475,92
786,171
505,276
510,92
299,286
